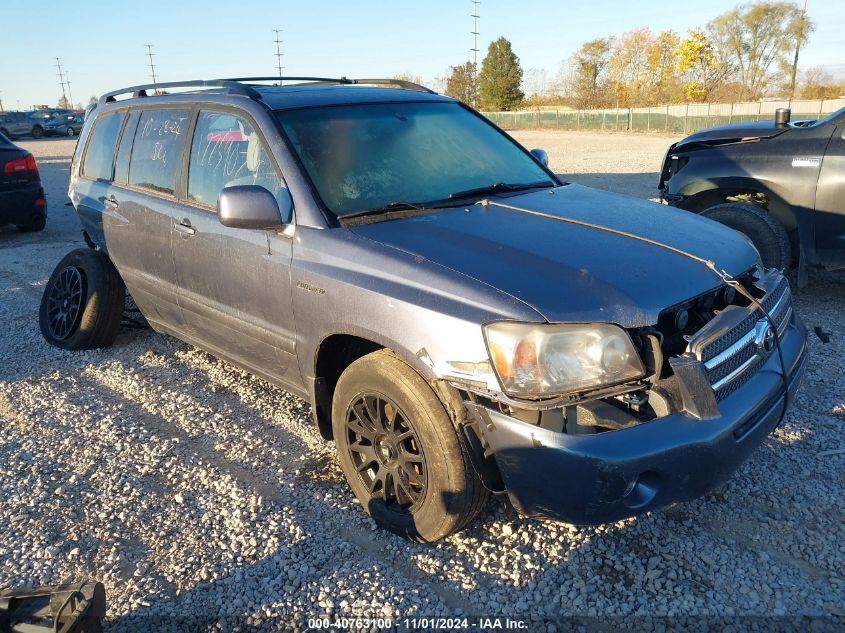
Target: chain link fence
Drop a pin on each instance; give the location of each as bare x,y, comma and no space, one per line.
670,119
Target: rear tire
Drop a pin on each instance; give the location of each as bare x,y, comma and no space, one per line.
400,451
82,305
32,227
71,132
758,225
37,132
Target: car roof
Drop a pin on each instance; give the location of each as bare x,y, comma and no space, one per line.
312,95
312,92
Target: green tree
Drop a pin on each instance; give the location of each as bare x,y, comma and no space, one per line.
462,83
500,78
698,66
755,41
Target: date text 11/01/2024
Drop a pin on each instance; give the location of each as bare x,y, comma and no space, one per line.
421,623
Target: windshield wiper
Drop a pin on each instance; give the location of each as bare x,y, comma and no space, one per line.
395,208
501,187
387,208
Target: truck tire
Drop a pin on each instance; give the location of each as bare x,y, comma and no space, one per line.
759,226
400,451
82,304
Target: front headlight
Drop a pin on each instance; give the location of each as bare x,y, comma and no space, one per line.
545,359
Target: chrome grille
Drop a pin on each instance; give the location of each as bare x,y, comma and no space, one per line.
735,344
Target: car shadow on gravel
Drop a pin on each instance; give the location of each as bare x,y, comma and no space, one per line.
643,185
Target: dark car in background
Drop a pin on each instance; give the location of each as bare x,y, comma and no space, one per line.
64,125
22,200
460,319
782,184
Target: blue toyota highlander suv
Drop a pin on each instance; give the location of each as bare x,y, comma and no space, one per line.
461,320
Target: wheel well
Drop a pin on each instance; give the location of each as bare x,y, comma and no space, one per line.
776,206
335,354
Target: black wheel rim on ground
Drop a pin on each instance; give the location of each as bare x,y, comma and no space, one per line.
64,302
386,452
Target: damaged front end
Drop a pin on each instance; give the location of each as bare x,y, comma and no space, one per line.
712,388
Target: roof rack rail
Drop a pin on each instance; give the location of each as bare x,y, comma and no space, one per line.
233,87
409,85
241,85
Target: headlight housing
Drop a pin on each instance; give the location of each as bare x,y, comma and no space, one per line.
545,359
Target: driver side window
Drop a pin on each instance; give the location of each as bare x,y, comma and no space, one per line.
226,151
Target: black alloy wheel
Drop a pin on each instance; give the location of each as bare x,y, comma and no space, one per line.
64,302
386,452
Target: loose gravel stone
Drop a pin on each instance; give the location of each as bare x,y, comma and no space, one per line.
204,496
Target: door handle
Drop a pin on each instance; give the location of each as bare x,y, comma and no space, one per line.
184,227
111,203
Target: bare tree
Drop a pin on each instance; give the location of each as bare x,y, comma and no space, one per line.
754,41
589,72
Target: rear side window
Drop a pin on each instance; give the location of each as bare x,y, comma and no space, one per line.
227,151
157,149
99,158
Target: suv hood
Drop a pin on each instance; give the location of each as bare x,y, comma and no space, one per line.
733,133
574,273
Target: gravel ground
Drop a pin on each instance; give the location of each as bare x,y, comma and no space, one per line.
203,497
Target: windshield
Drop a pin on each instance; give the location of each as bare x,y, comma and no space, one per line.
363,157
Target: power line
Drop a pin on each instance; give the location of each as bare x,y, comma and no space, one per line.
61,77
152,66
279,54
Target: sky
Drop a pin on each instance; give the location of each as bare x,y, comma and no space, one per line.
101,42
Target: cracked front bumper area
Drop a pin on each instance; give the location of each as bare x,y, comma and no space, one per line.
600,478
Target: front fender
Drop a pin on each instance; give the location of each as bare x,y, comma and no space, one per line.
431,316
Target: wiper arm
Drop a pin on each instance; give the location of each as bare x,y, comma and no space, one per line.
500,187
387,208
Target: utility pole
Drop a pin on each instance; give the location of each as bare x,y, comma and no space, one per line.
61,79
1,101
279,54
69,93
474,51
152,66
797,50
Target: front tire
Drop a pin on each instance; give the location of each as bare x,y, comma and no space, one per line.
758,225
400,451
82,305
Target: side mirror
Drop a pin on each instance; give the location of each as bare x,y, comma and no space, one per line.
253,207
540,154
